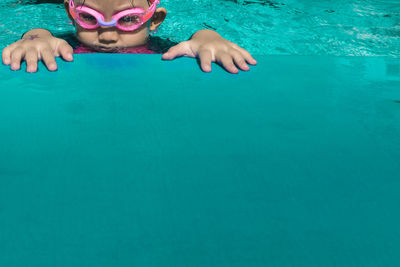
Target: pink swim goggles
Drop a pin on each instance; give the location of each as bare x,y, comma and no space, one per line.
125,20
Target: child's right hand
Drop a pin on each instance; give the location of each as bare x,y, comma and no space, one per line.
37,44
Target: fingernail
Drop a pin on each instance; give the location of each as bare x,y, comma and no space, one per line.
207,68
14,66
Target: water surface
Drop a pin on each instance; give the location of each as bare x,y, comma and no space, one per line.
264,27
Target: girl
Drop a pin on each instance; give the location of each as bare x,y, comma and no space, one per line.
121,26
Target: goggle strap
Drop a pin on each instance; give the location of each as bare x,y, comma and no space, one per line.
150,13
147,16
72,9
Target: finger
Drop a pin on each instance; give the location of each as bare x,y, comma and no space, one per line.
245,54
205,57
48,59
66,51
226,60
31,59
16,57
181,49
239,60
6,54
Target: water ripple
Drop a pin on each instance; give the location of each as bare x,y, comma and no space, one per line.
263,27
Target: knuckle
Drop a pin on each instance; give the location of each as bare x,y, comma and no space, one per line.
179,46
204,52
64,44
241,63
233,51
226,56
17,53
247,55
31,62
39,45
239,59
62,41
235,45
31,50
46,52
31,54
207,46
27,47
6,50
184,45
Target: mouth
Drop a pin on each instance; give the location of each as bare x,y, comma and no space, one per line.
106,49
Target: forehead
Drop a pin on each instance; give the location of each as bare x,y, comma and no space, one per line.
113,5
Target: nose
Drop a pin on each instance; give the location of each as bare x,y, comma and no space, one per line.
108,35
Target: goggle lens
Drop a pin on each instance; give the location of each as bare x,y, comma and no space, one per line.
87,19
129,21
126,22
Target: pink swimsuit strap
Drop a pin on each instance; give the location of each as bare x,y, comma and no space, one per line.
132,50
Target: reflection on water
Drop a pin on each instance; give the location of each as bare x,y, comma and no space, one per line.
27,2
264,27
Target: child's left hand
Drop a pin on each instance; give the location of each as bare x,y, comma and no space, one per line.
209,47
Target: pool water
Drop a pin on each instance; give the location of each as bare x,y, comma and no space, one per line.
263,27
127,160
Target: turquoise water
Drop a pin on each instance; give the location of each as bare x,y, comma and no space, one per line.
201,170
264,27
294,163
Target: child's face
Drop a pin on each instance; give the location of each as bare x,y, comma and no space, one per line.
107,39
